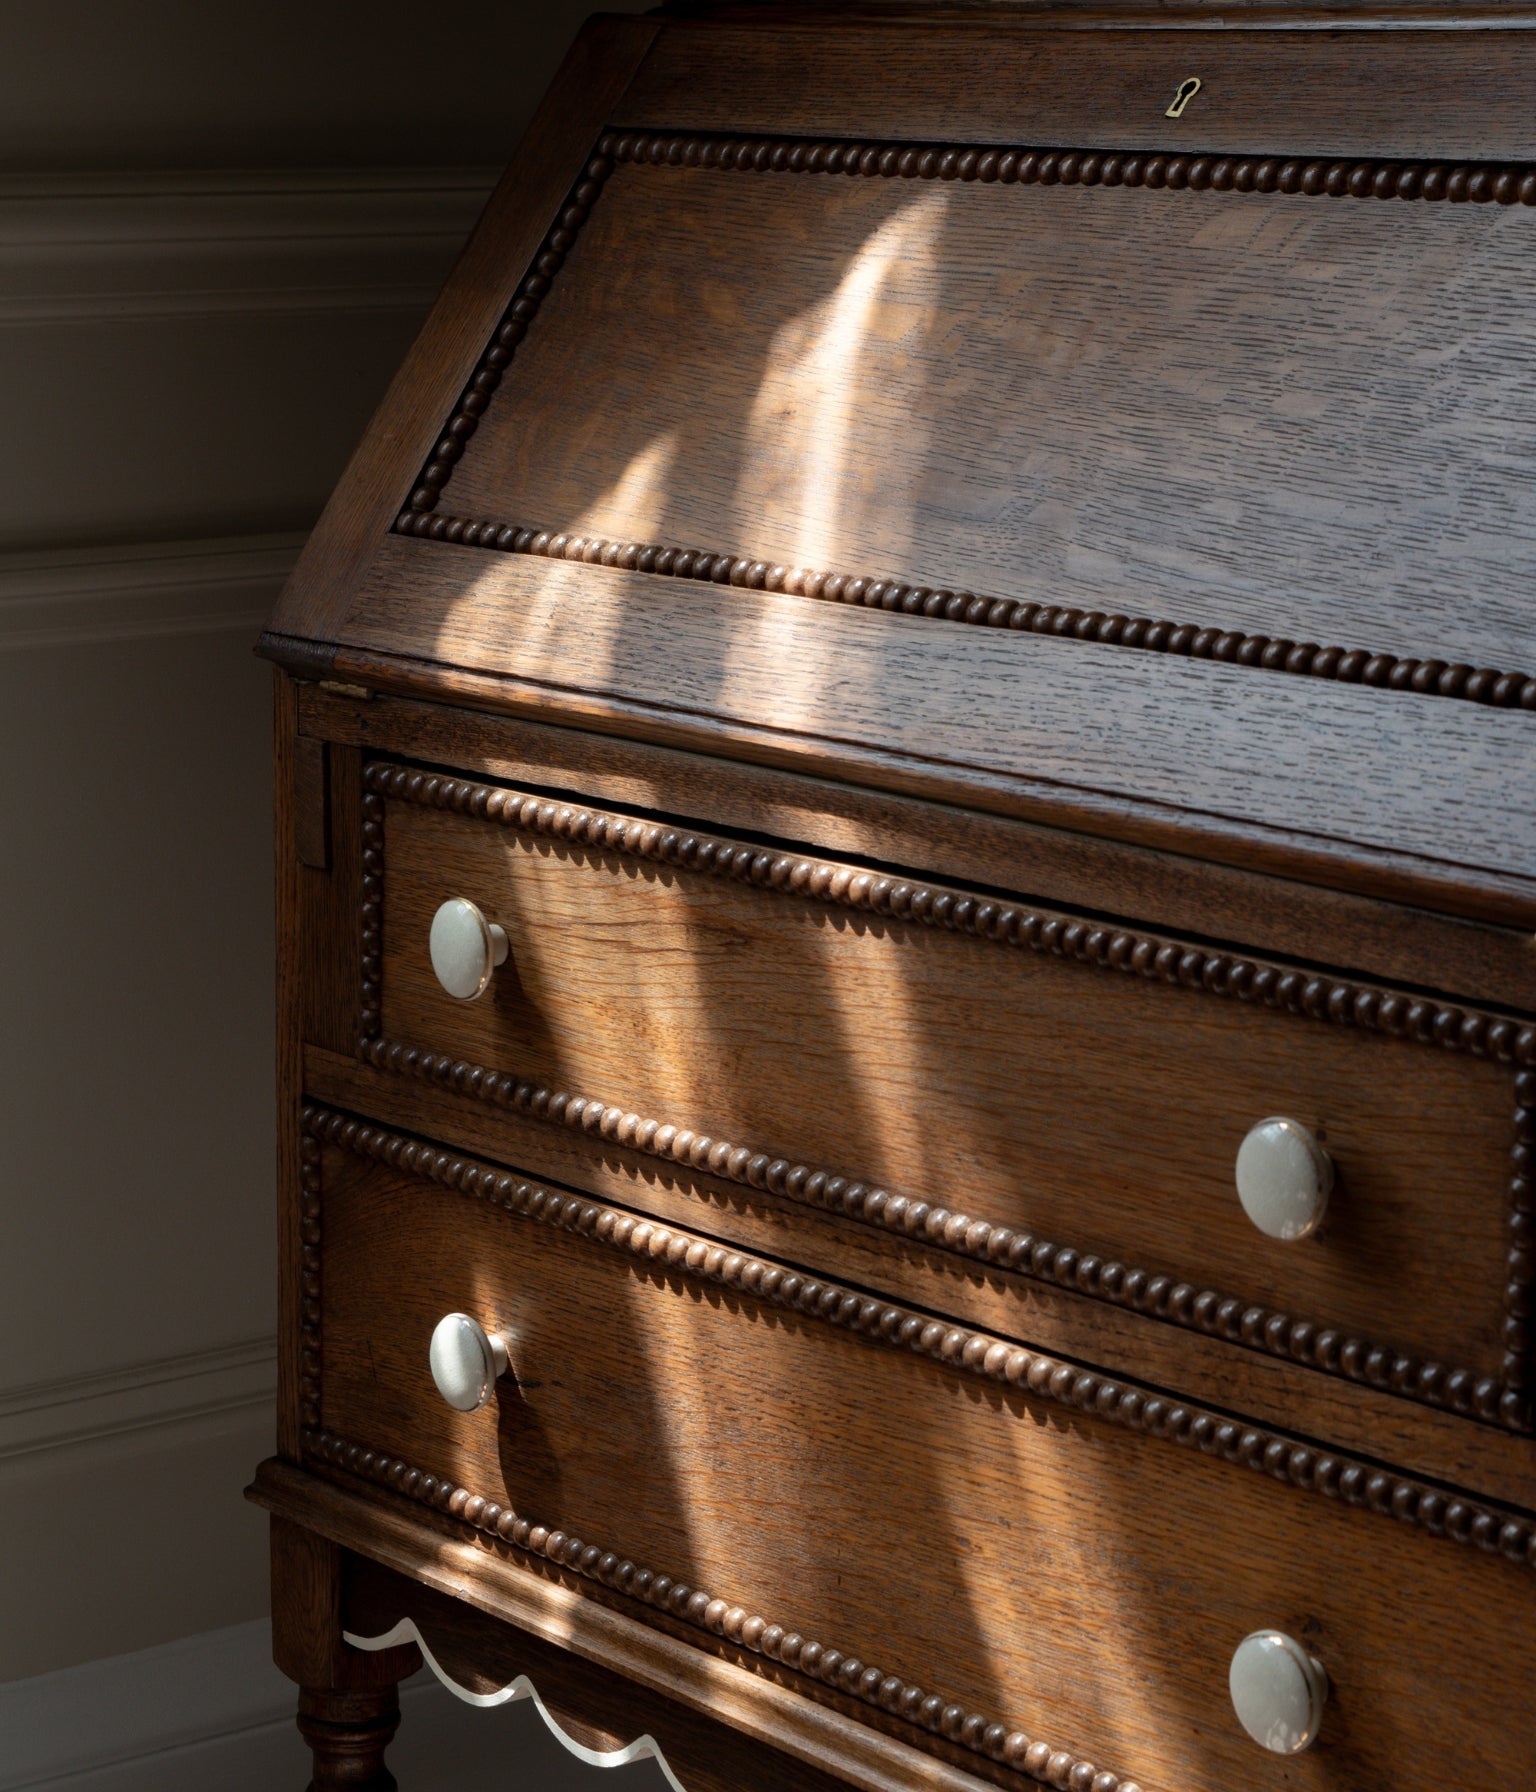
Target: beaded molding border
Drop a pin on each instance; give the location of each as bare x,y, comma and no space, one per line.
962,1349
1477,183
845,1673
309,1280
1500,1399
1306,659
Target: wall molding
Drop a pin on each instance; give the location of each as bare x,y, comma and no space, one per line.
56,1415
74,596
121,1709
128,246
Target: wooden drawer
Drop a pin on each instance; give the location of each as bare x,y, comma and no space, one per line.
943,1531
1048,1092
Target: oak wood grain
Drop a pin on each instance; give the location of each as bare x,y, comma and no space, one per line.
438,1555
1347,1415
1404,796
1399,93
1090,1109
1351,933
307,1619
327,943
1233,410
288,874
312,803
1096,15
591,1705
1015,1531
1258,412
595,73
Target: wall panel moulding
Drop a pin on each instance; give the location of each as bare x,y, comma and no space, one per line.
194,355
152,245
70,597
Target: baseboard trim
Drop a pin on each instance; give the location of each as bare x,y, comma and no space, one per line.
169,1703
57,1415
104,1713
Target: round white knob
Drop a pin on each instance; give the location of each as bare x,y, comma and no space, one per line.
1284,1179
467,1361
1278,1691
465,948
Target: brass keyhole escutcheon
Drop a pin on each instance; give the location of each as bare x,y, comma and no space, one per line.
1188,88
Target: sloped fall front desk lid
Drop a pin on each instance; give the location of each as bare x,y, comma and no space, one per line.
1164,489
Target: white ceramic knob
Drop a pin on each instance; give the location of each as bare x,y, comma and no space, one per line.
467,1361
1278,1691
1284,1179
465,948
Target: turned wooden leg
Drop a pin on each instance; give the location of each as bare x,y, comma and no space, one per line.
348,1733
349,1708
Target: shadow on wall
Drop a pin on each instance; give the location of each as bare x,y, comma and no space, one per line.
218,229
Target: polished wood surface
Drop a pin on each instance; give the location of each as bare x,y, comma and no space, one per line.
347,1733
1088,1108
1211,407
378,478
863,1750
484,1656
1218,422
1352,1415
727,1442
348,1707
1403,796
1019,79
1402,945
974,635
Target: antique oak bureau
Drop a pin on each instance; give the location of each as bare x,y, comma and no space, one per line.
907,889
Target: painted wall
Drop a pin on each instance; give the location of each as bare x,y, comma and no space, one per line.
219,229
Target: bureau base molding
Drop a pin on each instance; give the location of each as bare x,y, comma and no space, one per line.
643,1748
754,1634
439,1555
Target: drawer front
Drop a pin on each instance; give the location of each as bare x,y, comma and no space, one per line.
1048,1567
1059,1096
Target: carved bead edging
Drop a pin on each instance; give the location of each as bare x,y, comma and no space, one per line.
1305,177
309,1279
1186,640
1052,933
372,935
509,332
1501,1399
961,1348
1520,1268
1012,1747
843,1672
1475,182
1156,1295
